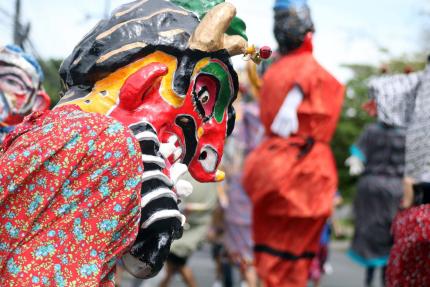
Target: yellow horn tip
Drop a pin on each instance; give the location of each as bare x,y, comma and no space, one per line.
250,50
220,175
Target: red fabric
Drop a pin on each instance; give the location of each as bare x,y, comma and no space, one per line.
293,235
292,195
409,263
69,201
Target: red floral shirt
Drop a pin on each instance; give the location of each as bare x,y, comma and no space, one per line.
69,199
409,263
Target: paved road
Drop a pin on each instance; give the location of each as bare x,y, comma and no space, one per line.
345,273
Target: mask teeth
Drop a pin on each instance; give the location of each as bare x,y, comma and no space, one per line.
177,154
173,139
167,149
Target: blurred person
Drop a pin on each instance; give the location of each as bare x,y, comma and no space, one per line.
21,91
97,179
223,267
237,210
198,208
379,156
409,261
316,270
291,176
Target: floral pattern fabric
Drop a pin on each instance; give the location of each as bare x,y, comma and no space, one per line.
409,257
69,199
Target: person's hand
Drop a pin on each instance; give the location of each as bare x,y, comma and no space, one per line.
408,192
356,166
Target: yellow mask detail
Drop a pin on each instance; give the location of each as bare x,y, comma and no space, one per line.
105,93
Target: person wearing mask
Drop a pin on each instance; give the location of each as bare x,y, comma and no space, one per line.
21,91
291,176
379,157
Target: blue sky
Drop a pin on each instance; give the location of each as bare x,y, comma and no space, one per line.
347,31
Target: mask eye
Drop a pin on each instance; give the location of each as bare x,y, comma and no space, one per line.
208,158
13,84
205,95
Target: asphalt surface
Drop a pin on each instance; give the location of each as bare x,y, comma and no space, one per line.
345,272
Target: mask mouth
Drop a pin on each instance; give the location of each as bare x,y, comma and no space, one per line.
208,159
189,127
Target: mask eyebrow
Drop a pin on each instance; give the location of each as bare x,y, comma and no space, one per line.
216,69
18,74
202,90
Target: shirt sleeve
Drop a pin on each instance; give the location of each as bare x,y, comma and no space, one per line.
286,121
360,148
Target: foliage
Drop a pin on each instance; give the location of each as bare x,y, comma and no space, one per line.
353,118
351,123
52,83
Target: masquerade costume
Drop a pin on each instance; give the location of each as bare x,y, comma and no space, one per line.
381,147
291,176
409,262
379,192
149,92
21,89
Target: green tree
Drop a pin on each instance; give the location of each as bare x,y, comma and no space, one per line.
52,83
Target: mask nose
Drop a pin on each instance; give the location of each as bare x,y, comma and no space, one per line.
204,167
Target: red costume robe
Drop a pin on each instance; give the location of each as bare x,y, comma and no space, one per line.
292,181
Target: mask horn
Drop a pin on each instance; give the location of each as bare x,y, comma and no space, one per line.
209,34
235,45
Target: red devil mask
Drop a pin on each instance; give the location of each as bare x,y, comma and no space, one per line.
195,115
139,68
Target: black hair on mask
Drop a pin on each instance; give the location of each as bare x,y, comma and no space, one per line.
291,26
132,31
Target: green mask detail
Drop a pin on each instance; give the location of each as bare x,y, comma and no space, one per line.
225,92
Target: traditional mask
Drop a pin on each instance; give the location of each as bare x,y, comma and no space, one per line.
293,23
20,86
164,67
